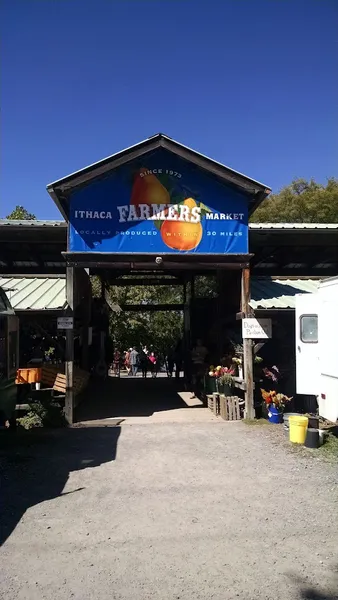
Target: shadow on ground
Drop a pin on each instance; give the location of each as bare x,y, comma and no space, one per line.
114,397
35,466
308,592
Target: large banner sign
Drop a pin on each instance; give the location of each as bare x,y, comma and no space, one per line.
159,204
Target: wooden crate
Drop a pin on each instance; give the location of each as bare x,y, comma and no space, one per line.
229,408
210,401
213,403
216,410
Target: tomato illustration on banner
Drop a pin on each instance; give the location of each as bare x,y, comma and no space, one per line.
159,204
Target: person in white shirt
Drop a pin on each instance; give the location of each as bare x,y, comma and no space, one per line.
199,355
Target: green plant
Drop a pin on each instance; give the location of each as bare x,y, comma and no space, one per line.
47,414
329,449
30,420
226,379
237,348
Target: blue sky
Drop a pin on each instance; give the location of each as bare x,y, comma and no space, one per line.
251,83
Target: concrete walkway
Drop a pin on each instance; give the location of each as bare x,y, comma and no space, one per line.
138,401
166,512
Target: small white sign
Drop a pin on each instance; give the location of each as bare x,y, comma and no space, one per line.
65,323
259,329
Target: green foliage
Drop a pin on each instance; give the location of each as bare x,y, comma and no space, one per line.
301,202
21,214
206,286
159,329
329,450
43,414
30,421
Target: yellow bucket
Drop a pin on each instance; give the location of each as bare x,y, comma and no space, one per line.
298,428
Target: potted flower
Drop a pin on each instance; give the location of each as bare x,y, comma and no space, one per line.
224,379
237,360
275,403
210,381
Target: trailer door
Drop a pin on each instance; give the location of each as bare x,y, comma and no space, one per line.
328,363
307,348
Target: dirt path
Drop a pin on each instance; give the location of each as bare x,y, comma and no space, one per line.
166,512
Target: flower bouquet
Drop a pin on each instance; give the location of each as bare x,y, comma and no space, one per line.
224,377
275,404
273,373
237,360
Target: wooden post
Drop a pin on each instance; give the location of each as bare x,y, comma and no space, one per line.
186,325
87,304
69,402
191,310
249,411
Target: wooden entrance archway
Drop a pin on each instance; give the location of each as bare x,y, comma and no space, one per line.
77,281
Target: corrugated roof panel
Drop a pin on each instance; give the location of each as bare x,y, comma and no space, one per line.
42,223
35,293
271,293
47,293
31,223
293,225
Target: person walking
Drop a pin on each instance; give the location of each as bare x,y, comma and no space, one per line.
198,359
170,362
153,364
116,363
178,358
144,362
127,360
134,361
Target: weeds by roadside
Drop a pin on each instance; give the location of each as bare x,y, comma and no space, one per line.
328,451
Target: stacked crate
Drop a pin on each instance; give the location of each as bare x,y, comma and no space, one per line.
229,408
213,403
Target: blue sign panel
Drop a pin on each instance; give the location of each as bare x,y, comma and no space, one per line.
159,203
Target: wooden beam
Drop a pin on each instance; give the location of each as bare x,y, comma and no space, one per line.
144,282
249,411
69,364
166,266
151,307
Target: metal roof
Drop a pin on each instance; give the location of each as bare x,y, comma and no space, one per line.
49,293
60,223
35,293
31,223
269,293
293,225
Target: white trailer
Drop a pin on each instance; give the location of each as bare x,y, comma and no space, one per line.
317,347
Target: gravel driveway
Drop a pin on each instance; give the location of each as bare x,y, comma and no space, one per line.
167,511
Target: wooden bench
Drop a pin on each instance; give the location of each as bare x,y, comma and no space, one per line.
49,373
55,380
80,380
46,380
